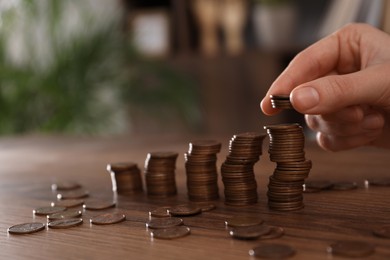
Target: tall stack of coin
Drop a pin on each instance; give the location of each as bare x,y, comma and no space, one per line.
160,174
201,170
125,178
237,170
285,189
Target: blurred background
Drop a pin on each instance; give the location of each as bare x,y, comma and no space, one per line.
156,66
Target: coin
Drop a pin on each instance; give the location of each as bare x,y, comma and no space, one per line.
108,218
65,185
351,248
251,232
277,251
275,232
161,212
47,210
171,233
73,194
158,223
26,228
243,221
184,210
98,205
383,232
65,223
71,203
65,214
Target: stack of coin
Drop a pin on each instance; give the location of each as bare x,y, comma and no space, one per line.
160,174
281,101
237,170
125,178
201,170
286,148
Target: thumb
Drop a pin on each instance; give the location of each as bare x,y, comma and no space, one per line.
329,94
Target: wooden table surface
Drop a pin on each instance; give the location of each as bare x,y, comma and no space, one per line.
29,165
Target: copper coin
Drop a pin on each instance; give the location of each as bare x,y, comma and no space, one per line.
184,210
243,221
278,251
251,232
171,233
65,214
383,232
158,223
351,248
65,185
68,203
74,194
275,232
161,212
26,228
108,218
65,223
98,205
48,210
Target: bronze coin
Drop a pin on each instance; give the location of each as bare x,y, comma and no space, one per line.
251,232
65,214
65,223
74,194
26,228
161,212
184,210
98,205
278,251
68,203
351,248
275,232
108,218
158,223
383,232
65,185
48,210
244,221
171,233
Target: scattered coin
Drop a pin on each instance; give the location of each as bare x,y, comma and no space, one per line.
158,223
251,232
65,223
65,185
73,194
171,233
65,214
161,212
383,232
275,232
26,228
351,248
243,221
278,251
184,210
98,205
48,210
108,218
71,203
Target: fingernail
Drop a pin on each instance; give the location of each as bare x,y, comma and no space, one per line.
372,122
305,98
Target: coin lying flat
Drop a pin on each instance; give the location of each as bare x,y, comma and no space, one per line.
48,210
351,248
251,232
278,251
171,233
26,228
108,218
383,232
243,221
65,214
164,222
98,205
65,223
71,203
184,210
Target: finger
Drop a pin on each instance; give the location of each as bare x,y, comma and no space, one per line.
333,93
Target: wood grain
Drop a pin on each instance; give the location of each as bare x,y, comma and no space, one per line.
29,165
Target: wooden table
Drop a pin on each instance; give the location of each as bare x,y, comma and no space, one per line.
29,165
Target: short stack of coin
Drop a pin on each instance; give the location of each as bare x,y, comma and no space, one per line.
201,170
281,101
125,178
285,189
237,170
160,174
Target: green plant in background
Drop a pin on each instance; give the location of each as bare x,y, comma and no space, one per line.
80,81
